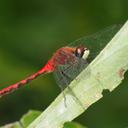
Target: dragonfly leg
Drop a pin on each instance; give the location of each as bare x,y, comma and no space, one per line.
62,90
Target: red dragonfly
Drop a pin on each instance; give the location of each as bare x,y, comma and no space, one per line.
68,62
63,63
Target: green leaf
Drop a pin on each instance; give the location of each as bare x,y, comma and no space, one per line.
106,71
25,120
29,117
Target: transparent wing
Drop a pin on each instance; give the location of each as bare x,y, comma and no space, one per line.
96,42
64,74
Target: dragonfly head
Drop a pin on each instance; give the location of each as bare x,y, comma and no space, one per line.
82,52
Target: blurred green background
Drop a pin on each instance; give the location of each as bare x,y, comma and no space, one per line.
31,31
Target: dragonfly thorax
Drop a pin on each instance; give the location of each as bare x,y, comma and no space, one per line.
66,55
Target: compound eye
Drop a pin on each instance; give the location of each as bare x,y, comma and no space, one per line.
79,52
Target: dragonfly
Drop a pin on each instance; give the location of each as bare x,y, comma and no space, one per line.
64,61
67,62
